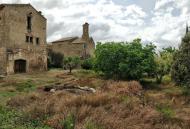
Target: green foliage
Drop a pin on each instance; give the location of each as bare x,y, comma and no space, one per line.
71,62
88,64
166,111
25,86
7,118
69,122
186,91
124,60
163,63
55,60
181,66
92,125
10,119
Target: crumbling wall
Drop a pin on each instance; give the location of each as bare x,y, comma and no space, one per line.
36,59
3,62
68,49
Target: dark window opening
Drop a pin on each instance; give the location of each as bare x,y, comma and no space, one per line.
29,23
31,39
37,41
27,39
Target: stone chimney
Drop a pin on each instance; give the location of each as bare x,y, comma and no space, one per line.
85,34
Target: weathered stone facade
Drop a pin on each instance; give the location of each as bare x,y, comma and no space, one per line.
75,46
22,39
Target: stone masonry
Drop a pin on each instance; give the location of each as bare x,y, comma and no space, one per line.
22,39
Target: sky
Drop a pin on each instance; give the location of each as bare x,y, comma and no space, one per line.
161,22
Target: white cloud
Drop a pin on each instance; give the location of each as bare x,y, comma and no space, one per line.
161,3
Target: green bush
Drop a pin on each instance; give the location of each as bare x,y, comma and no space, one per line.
125,60
55,59
164,62
71,63
181,66
87,64
186,91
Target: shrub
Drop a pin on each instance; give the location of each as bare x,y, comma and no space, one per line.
163,63
125,60
88,64
181,68
55,60
71,62
186,91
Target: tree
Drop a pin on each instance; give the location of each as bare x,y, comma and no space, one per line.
71,62
124,60
55,59
88,63
181,66
164,62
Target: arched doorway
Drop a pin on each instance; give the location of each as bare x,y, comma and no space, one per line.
20,66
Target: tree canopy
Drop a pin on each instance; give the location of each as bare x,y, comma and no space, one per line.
125,60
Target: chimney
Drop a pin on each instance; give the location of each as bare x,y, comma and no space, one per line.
85,34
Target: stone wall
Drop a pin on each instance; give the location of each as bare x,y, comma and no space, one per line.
16,20
36,59
3,60
13,32
68,49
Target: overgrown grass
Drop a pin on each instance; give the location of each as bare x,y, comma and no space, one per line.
92,125
85,73
25,86
12,119
186,91
166,111
69,122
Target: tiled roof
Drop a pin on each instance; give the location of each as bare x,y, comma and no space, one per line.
65,39
79,40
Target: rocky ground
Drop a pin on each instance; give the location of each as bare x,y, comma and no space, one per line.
84,100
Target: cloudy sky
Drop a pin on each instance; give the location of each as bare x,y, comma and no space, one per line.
159,21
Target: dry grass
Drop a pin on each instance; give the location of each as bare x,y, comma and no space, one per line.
116,108
115,105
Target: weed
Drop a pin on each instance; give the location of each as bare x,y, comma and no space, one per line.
7,118
166,111
125,99
26,86
69,122
186,91
92,125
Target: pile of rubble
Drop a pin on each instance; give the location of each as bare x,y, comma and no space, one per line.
72,88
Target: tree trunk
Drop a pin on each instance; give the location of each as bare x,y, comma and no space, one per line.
70,69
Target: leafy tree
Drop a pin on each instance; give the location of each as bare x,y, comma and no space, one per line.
87,63
164,62
55,59
181,65
124,60
71,62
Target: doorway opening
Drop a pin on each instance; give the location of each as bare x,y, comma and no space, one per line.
20,66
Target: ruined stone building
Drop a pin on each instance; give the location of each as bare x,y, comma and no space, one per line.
22,39
75,46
